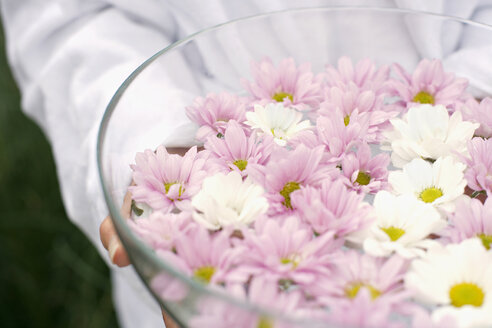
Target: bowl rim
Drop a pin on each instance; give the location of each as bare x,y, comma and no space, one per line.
122,227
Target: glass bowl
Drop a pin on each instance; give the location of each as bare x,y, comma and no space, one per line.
215,60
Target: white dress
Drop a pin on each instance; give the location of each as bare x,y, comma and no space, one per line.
69,57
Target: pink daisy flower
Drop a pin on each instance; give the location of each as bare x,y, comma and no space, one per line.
349,97
293,86
368,105
363,173
262,293
471,219
167,286
353,272
165,181
429,84
479,113
236,150
288,171
286,251
202,256
479,171
336,138
214,111
197,254
361,311
364,75
160,229
332,208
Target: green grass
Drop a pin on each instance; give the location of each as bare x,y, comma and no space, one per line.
50,274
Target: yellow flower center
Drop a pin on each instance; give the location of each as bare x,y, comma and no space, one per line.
346,120
424,97
286,191
241,164
168,185
264,322
204,274
292,259
466,294
280,96
363,178
486,240
393,233
428,195
181,190
352,291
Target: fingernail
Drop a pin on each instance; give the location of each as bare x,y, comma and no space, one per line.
112,248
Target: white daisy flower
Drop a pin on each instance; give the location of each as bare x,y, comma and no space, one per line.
402,225
439,183
276,120
227,200
429,132
457,280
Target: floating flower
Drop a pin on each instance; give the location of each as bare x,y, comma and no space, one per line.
402,226
236,150
353,272
439,183
363,173
160,229
199,255
361,311
227,200
336,137
214,111
287,251
479,171
429,84
332,207
428,132
364,75
287,84
288,171
471,219
278,121
455,279
479,113
165,181
262,292
349,99
204,257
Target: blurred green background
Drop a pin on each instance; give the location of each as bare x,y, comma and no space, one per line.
50,275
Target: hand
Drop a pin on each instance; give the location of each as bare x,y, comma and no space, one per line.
109,237
112,243
117,253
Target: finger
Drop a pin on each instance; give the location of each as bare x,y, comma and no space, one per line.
117,252
168,321
106,231
111,242
126,208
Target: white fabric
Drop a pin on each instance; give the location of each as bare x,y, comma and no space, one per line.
69,57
